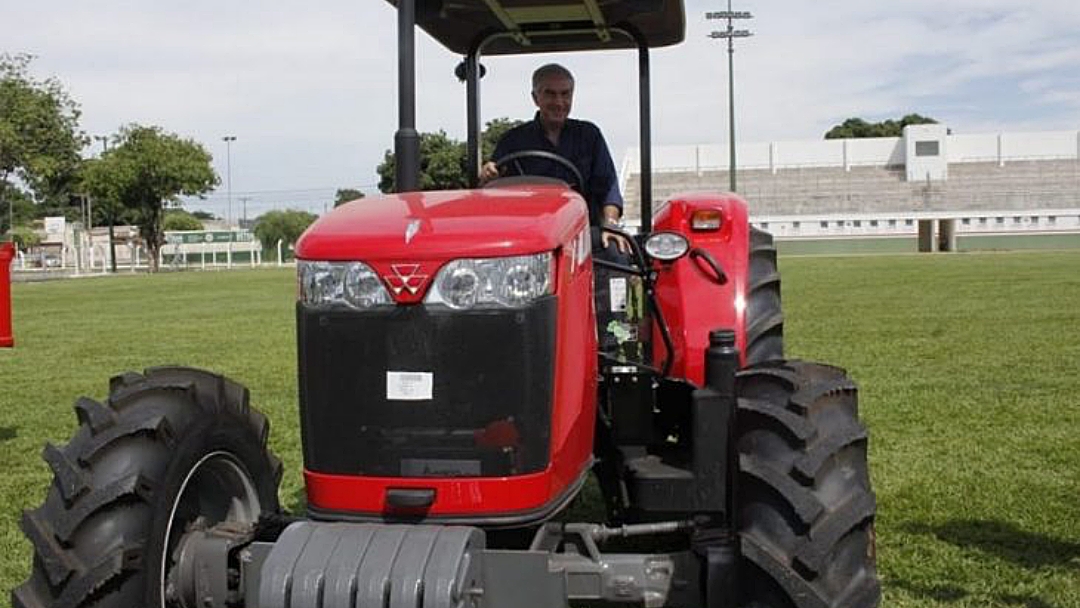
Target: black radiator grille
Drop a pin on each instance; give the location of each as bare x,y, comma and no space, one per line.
489,411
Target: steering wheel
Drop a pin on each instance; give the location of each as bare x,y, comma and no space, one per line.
562,160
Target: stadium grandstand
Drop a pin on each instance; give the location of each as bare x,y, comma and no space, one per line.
925,191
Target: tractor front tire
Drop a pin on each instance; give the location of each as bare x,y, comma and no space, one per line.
169,448
803,503
764,316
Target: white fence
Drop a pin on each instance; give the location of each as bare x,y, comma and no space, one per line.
1041,222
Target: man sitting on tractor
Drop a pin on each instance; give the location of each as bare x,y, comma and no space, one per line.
578,141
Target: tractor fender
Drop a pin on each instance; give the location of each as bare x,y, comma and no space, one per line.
692,298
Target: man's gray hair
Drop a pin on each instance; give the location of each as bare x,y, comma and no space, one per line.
544,72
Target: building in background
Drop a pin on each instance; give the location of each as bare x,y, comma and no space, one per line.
928,190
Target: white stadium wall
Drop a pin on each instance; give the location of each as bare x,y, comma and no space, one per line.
877,151
979,172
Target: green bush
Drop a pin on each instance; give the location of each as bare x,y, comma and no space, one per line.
285,226
25,237
178,219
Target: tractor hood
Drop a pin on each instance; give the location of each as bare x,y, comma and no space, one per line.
491,222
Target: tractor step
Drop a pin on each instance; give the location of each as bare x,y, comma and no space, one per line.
658,486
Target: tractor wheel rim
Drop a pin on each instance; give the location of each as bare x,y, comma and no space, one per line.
219,487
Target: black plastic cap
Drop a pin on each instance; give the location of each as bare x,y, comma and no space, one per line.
722,337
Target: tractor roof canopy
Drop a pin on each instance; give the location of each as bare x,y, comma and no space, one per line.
508,27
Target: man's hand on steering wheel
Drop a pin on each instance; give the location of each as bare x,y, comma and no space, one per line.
488,172
493,169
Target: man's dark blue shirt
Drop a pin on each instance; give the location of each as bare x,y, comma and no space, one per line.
582,144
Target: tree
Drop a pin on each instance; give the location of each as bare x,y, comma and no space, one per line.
345,195
442,164
16,207
203,215
178,219
39,134
442,159
151,169
854,128
284,226
25,237
493,132
100,178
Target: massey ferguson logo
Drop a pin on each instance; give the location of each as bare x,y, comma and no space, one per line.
405,277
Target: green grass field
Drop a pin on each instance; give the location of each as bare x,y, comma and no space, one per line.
909,244
968,366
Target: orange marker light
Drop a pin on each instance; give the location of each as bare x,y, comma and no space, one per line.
706,219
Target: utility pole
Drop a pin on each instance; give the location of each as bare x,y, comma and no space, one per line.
730,34
228,139
104,139
243,201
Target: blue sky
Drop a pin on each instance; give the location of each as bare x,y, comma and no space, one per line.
309,89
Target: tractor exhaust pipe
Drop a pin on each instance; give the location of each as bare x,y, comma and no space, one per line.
717,419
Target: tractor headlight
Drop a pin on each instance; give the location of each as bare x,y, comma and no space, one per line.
340,285
512,282
666,246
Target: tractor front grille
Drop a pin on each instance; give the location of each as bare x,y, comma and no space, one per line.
412,391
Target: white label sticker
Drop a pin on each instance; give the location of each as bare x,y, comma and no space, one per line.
618,294
409,386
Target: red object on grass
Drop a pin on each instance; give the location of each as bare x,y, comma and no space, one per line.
7,252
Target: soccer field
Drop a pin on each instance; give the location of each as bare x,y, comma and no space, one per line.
910,244
967,363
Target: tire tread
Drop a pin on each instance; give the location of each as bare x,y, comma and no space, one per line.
805,505
94,415
113,564
775,566
68,476
156,426
808,465
827,533
135,486
764,325
798,421
56,561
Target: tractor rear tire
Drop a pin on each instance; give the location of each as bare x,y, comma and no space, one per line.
764,316
167,448
803,504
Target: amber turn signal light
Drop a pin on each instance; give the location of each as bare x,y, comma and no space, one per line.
706,219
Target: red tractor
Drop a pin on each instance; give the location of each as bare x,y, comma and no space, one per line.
454,401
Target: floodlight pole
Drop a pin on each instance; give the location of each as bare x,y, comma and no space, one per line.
228,139
730,34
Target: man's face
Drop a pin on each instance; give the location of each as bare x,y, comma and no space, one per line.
554,97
